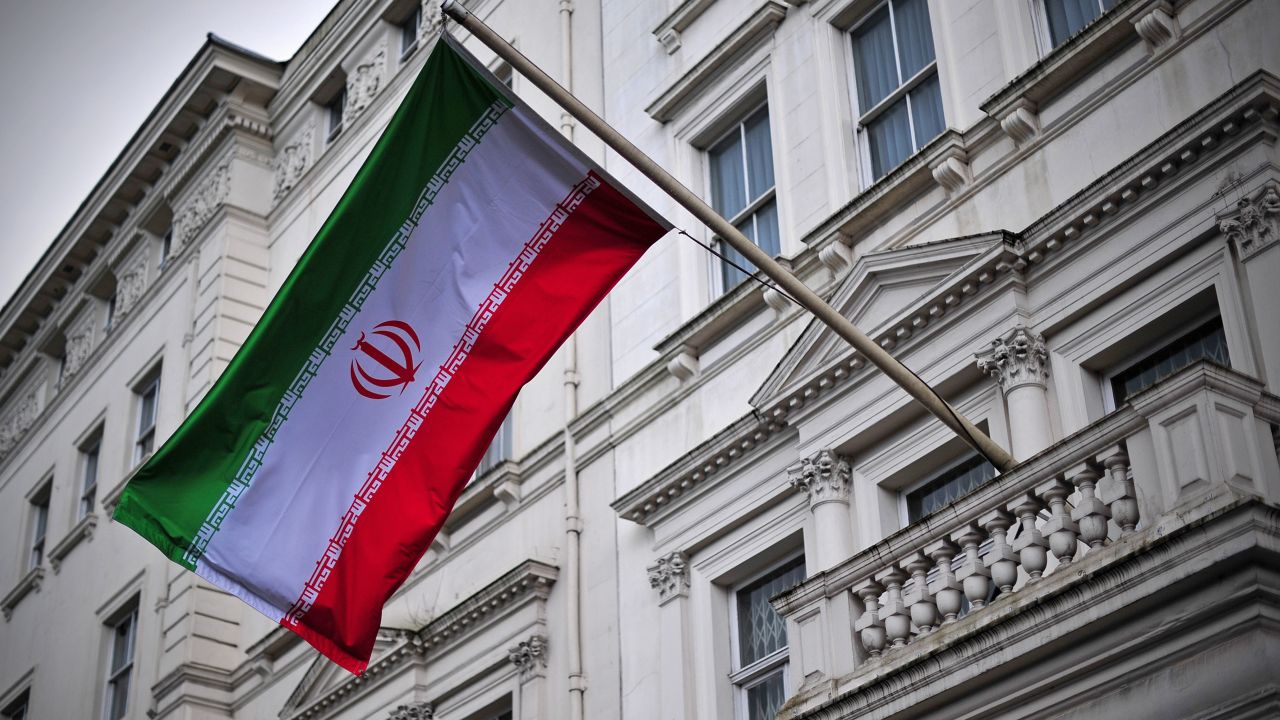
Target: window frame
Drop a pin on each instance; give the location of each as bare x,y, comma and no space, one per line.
334,110
904,508
743,114
91,446
1044,32
128,613
1154,346
863,119
20,701
39,501
744,678
149,383
414,21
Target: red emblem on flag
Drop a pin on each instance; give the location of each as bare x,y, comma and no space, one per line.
386,358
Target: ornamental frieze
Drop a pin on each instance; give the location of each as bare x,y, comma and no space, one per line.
25,412
414,711
201,205
362,86
291,164
79,346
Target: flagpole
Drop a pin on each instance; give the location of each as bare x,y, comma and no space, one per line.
915,387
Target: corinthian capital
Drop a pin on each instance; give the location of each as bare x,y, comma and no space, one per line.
529,656
670,576
825,477
1018,358
1255,223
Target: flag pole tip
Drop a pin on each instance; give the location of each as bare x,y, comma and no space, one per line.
453,9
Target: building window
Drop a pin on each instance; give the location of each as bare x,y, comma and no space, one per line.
761,636
334,110
166,246
1068,17
1206,342
148,393
409,32
742,190
111,312
19,708
89,454
500,448
505,75
899,97
948,485
39,514
124,634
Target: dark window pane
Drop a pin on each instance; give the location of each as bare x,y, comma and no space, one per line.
767,229
728,184
948,487
764,699
915,38
889,137
926,111
1067,17
761,631
759,154
874,67
730,275
1207,342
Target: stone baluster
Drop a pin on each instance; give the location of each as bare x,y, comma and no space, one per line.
1119,494
1090,512
1001,559
1030,544
973,575
920,601
1061,529
870,626
897,620
946,587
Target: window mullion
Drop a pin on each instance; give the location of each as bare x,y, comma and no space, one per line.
893,32
746,169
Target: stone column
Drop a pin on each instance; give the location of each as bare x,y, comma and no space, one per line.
669,575
530,658
825,477
1253,228
1019,362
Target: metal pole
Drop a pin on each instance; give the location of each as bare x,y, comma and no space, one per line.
916,388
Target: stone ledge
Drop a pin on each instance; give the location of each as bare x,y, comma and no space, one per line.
83,530
29,583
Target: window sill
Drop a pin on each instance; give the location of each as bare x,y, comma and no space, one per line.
82,531
29,583
1068,62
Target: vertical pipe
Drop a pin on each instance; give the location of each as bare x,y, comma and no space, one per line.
572,514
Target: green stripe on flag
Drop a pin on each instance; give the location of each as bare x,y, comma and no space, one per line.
196,476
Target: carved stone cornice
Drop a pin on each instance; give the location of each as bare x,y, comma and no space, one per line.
1016,359
414,711
824,477
29,583
1254,225
669,575
529,656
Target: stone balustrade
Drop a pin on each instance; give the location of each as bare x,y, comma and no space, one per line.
1203,431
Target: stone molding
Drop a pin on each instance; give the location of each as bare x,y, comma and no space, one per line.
414,711
199,208
363,85
1254,225
1018,358
82,531
669,575
14,426
29,583
824,477
292,163
529,656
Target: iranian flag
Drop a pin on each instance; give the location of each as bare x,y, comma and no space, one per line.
313,476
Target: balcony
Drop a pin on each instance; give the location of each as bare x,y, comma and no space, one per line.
1130,570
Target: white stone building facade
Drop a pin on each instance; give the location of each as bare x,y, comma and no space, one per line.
1063,214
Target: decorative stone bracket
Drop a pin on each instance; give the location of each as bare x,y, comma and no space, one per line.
529,656
1158,27
670,576
1255,223
951,171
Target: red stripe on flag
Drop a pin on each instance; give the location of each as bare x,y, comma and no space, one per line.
598,242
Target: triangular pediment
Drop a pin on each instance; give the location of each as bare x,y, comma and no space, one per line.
324,675
878,289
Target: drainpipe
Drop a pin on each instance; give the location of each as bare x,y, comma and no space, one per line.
572,514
